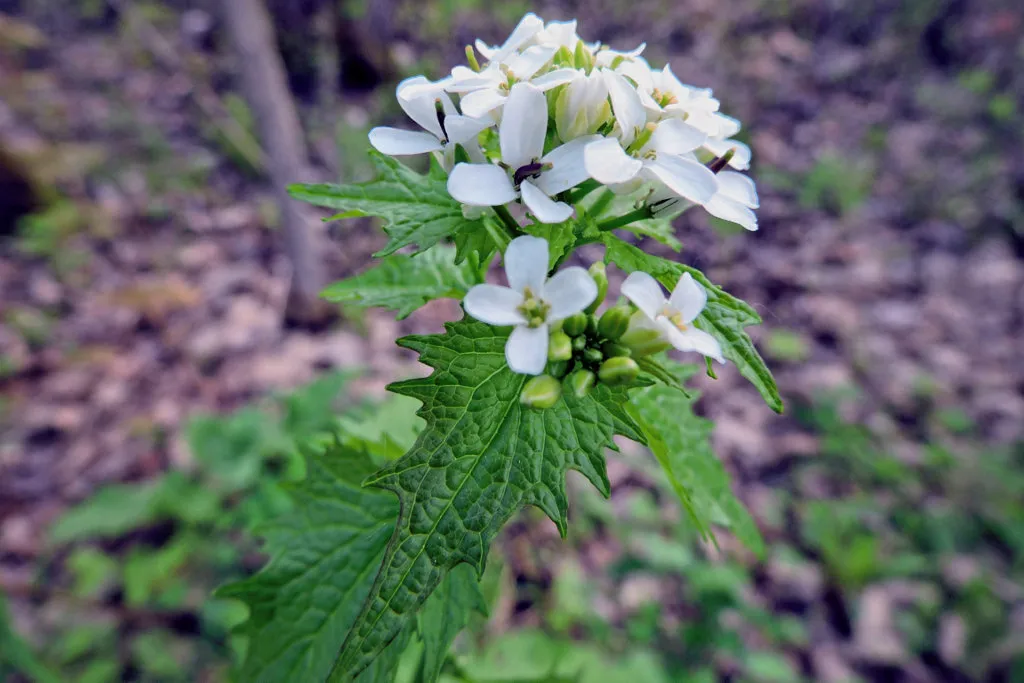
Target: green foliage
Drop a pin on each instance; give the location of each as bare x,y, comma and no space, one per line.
837,185
16,656
725,316
404,283
481,457
416,209
680,441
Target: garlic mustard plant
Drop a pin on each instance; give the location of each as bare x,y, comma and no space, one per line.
544,149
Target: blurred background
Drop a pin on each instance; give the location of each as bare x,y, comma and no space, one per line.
159,361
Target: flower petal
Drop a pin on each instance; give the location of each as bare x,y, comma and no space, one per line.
494,305
526,29
553,79
738,187
567,167
689,179
730,210
543,207
528,62
527,349
480,185
629,110
396,142
464,128
689,297
692,339
480,103
672,136
569,291
526,264
524,122
741,158
420,108
608,163
645,293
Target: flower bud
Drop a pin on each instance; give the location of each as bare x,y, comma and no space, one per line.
611,350
644,342
592,355
575,324
618,370
582,381
540,392
564,57
614,322
559,346
591,325
579,343
471,58
558,368
582,57
600,275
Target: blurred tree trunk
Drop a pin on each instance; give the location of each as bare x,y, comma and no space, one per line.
264,86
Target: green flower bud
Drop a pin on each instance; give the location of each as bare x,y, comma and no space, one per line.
614,322
600,275
564,57
579,343
542,391
644,342
591,325
582,57
558,368
612,350
582,381
559,346
592,355
619,370
575,324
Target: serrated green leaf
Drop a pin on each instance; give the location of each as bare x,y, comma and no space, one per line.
404,283
322,560
444,614
724,317
417,209
560,237
659,229
680,440
481,457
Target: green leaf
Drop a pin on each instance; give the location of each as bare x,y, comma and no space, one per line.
404,283
659,229
560,237
444,614
725,316
481,458
417,209
16,655
681,442
322,558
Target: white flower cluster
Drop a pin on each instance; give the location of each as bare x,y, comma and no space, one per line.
566,111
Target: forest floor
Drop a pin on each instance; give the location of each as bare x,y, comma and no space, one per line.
890,260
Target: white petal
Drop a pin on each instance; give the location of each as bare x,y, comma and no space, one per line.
464,128
480,103
739,161
494,305
629,110
524,121
567,167
730,210
527,28
554,79
645,293
689,297
738,187
526,264
640,71
672,136
692,339
416,87
608,163
486,50
543,207
689,179
727,125
396,142
480,185
524,65
569,291
464,79
421,108
527,349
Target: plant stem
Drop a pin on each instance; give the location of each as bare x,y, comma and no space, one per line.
640,214
511,226
601,203
582,191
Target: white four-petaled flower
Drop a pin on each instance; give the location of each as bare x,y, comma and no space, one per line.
525,171
673,317
532,302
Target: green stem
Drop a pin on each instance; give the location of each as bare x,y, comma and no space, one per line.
511,226
643,213
582,191
601,203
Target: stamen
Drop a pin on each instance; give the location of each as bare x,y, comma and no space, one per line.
531,170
